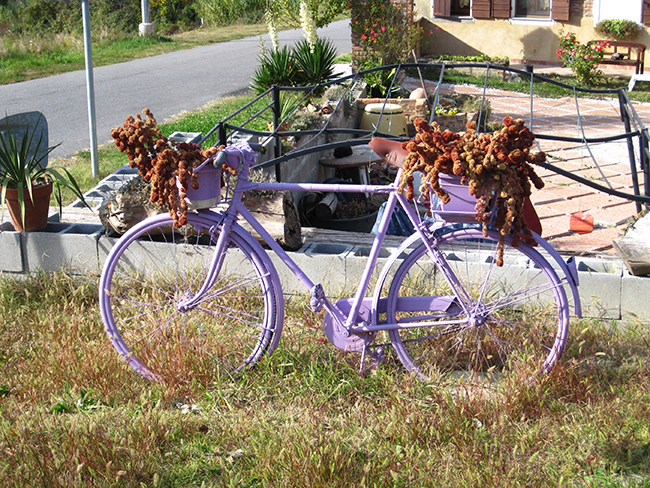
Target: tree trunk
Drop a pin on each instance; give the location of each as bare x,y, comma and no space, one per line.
278,215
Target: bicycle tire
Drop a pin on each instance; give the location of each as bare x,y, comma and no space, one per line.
151,268
517,314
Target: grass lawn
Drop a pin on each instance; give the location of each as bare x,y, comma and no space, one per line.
73,414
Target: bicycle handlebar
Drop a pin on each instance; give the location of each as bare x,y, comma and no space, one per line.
234,155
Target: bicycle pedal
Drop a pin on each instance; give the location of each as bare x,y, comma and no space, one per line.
317,299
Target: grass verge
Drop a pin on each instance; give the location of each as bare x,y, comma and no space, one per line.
74,415
51,56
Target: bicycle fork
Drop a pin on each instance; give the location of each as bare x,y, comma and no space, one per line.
216,262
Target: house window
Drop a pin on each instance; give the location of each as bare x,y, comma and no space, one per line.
629,10
460,7
533,8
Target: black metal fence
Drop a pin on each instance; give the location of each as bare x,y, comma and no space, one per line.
436,77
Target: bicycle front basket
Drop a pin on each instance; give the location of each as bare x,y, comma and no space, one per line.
209,192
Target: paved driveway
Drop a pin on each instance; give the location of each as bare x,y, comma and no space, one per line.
167,84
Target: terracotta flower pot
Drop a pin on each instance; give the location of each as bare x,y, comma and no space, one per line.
36,213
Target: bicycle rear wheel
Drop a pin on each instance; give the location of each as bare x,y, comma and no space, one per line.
514,316
153,269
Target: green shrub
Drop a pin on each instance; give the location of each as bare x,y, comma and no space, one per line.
618,29
225,12
115,16
379,82
315,65
583,59
39,18
481,58
174,15
50,16
297,66
385,31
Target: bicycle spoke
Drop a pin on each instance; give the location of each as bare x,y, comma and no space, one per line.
516,312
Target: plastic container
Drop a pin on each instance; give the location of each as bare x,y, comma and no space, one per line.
581,223
393,120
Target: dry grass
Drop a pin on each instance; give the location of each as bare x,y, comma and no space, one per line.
74,415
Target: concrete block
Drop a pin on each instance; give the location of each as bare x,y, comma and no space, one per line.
126,170
599,289
194,137
355,265
635,297
322,263
104,245
11,256
72,247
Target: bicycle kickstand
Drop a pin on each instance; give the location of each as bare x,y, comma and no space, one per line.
378,356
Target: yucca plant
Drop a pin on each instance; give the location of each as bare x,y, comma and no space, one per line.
314,64
22,168
277,67
301,65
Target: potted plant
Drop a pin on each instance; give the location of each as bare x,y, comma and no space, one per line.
25,183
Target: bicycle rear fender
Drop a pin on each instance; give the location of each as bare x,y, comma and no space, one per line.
568,268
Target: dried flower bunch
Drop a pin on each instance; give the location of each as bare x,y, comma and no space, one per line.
161,161
493,165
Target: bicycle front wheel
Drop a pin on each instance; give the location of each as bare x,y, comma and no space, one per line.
153,270
499,318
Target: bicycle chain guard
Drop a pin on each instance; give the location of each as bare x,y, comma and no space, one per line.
337,334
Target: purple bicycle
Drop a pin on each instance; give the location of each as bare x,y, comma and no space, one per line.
206,300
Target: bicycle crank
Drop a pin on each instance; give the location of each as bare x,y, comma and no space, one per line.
340,337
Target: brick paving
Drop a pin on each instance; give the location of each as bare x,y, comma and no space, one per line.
605,163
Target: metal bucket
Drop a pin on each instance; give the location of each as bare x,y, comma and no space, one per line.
209,191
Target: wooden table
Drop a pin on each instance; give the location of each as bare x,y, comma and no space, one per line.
362,157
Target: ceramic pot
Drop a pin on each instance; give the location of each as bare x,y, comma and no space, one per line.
36,212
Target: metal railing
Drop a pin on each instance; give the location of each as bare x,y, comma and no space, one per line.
633,129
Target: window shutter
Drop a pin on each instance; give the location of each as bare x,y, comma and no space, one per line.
501,9
442,8
645,13
481,9
560,9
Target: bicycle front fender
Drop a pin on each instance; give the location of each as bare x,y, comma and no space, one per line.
569,269
263,257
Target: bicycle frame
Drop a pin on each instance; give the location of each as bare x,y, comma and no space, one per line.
168,300
241,157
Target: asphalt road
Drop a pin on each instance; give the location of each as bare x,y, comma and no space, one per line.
166,84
